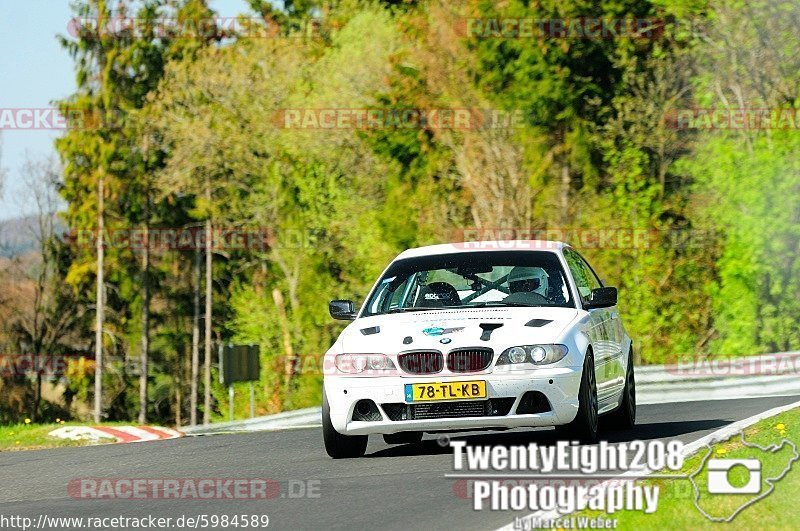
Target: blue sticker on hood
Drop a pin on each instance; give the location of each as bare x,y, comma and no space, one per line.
438,331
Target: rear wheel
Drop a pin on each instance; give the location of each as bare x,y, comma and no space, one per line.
337,445
404,437
624,417
584,427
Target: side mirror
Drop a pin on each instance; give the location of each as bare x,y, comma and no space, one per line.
342,310
602,298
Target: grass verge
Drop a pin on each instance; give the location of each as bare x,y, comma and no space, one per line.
35,437
767,509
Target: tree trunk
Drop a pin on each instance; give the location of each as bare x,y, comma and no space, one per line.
209,292
37,392
178,394
565,193
195,339
98,333
145,321
288,351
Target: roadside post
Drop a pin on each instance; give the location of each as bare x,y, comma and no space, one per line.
239,363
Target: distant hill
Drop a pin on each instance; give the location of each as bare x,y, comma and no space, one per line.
21,235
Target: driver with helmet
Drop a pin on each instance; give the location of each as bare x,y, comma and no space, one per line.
527,285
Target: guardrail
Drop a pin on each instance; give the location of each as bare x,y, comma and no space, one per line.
720,379
299,418
710,379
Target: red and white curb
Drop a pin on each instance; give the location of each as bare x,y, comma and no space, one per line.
122,434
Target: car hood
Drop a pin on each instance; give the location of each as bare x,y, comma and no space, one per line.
447,329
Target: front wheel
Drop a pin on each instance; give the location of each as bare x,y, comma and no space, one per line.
624,417
584,427
337,445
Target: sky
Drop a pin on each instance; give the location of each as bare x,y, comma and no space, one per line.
34,71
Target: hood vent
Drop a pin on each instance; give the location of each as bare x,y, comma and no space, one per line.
371,330
488,328
536,323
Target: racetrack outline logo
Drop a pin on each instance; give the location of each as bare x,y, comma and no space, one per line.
768,480
718,470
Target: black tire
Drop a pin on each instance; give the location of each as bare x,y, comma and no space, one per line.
337,445
624,417
404,437
584,427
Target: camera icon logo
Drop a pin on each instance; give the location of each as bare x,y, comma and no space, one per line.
719,481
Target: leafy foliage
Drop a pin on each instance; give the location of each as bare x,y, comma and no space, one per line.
202,137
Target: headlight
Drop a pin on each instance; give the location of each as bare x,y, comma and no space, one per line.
536,354
358,363
516,355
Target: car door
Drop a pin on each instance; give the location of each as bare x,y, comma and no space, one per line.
614,336
600,329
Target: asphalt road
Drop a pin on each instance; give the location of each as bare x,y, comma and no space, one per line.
393,487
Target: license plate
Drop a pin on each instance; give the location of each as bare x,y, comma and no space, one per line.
429,392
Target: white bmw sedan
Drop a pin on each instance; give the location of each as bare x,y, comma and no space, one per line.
484,335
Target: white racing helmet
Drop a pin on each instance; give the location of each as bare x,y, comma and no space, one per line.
520,273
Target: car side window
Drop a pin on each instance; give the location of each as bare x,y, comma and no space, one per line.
398,297
585,279
593,278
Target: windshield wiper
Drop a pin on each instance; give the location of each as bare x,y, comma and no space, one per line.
412,309
501,304
498,304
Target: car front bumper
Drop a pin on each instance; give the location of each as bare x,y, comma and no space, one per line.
559,385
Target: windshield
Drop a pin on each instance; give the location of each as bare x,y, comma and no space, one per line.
471,280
